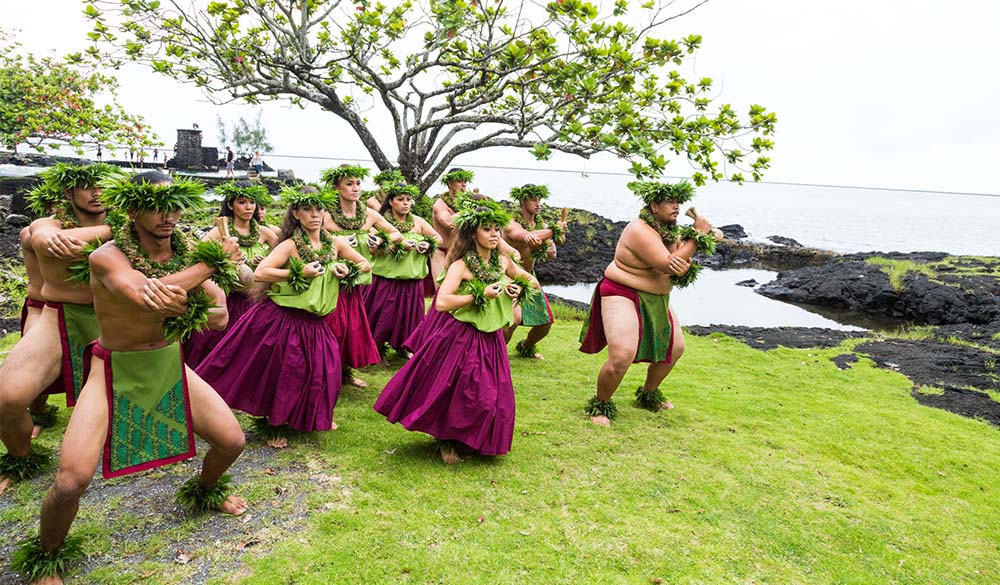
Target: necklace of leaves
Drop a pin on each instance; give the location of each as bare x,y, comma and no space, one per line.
486,273
326,254
127,241
403,226
449,200
248,240
667,233
538,254
350,223
64,215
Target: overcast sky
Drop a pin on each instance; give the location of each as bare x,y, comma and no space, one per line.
886,93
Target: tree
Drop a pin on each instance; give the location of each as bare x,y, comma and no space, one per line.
246,138
45,101
456,76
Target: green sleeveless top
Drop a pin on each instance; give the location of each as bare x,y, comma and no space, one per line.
258,249
320,298
496,314
361,247
410,265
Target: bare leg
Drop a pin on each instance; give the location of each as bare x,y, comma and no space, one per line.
535,335
658,371
38,406
508,332
81,450
32,364
621,327
214,422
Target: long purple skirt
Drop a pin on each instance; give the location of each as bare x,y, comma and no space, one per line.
349,324
202,343
457,386
428,325
280,363
394,308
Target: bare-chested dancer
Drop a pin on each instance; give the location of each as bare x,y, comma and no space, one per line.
136,377
535,240
52,346
630,311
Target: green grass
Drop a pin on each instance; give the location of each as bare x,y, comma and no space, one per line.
775,467
897,269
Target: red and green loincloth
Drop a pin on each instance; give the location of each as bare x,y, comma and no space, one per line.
535,310
77,328
655,325
149,411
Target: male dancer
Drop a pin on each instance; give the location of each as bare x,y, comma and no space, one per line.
535,240
630,311
52,347
140,402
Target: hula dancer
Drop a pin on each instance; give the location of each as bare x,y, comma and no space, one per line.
51,350
457,386
536,241
241,199
281,360
365,230
394,302
630,310
141,406
375,198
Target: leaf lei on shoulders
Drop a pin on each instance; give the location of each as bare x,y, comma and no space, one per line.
403,226
449,200
326,254
65,216
482,275
79,270
248,240
540,254
349,223
671,234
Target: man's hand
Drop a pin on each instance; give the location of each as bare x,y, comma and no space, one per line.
532,240
423,247
313,269
493,291
167,299
513,290
340,270
678,266
63,246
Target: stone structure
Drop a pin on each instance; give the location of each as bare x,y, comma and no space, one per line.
190,154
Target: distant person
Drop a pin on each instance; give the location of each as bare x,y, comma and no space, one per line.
230,162
156,155
100,153
195,125
630,311
257,163
142,157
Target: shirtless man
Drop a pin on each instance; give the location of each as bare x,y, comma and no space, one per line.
653,254
534,240
42,415
135,369
52,347
442,212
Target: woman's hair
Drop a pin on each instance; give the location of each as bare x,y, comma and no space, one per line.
291,223
387,202
226,211
154,177
465,240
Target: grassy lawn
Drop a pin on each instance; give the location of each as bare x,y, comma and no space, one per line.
775,467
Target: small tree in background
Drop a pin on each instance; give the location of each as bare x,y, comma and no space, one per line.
246,138
457,76
45,101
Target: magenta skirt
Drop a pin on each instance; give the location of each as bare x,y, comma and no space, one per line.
280,363
428,325
394,308
202,343
457,386
349,324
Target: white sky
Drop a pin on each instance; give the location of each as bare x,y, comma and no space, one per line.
885,93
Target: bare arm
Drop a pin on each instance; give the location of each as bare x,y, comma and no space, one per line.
379,222
513,269
442,214
49,239
112,269
270,268
270,238
212,234
447,297
346,252
218,316
425,229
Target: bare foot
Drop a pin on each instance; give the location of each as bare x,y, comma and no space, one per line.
601,420
449,455
48,580
278,442
234,505
4,482
333,426
666,405
537,356
407,354
356,382
35,431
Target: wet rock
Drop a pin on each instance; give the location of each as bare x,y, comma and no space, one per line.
844,360
733,231
286,175
17,220
783,241
771,337
750,283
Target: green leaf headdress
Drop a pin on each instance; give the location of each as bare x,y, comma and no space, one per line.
390,176
65,176
653,192
232,190
529,191
332,176
478,213
401,188
44,197
297,196
456,174
128,195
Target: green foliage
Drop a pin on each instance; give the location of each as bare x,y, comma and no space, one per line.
390,176
197,499
26,467
195,319
44,100
477,289
596,407
263,429
704,243
529,192
13,287
79,270
145,196
898,269
650,401
246,138
293,197
654,192
477,213
528,291
565,76
354,274
524,350
47,418
332,176
34,562
210,253
296,277
688,278
230,191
